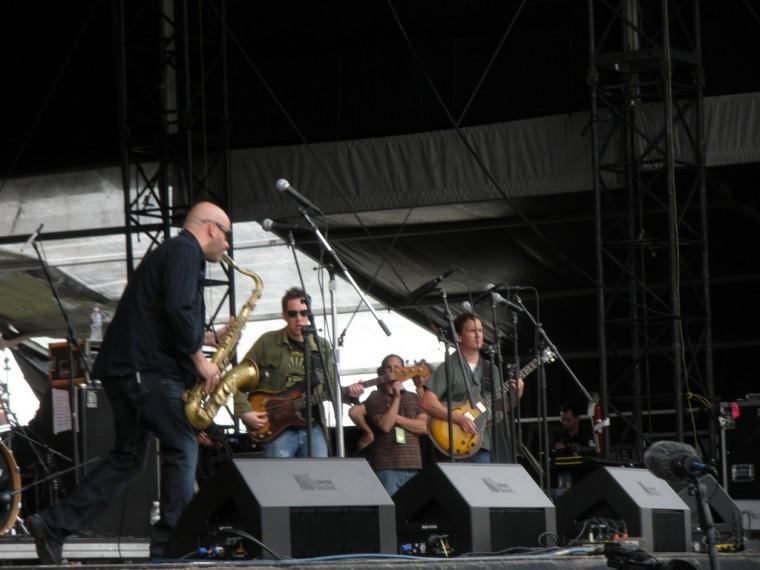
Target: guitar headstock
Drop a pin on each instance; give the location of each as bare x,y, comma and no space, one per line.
406,372
547,355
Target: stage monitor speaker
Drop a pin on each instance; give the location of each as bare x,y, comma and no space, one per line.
128,515
650,508
297,507
453,508
726,515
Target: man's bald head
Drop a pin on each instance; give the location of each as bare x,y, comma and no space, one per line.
207,211
210,225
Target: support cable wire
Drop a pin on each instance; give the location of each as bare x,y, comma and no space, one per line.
325,168
338,187
49,95
373,279
752,11
456,125
486,71
677,243
479,161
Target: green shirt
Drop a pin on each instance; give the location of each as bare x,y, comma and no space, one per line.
281,368
437,385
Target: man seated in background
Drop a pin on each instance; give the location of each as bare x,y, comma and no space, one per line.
574,437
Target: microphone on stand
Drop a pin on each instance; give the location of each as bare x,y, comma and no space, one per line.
425,288
284,186
504,286
271,225
32,238
501,300
672,460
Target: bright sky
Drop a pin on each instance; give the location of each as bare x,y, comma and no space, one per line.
21,399
364,347
365,343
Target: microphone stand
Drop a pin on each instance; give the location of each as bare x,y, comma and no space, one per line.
698,489
340,442
71,345
337,395
306,331
516,374
544,432
453,332
447,371
498,386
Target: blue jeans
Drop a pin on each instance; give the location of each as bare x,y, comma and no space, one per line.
152,405
292,443
482,456
394,479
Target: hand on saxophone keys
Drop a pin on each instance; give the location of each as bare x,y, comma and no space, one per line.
208,372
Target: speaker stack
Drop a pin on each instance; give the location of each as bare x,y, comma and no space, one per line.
453,508
296,507
726,515
650,508
129,515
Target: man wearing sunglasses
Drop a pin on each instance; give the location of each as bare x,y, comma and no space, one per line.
280,357
151,353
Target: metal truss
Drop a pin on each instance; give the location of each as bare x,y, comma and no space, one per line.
653,296
171,60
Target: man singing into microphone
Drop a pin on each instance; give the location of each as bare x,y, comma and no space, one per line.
280,357
469,330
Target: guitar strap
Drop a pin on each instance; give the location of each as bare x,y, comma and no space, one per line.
486,378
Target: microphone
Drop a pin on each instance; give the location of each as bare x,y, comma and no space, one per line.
425,288
501,300
271,225
283,185
671,460
32,238
504,286
467,307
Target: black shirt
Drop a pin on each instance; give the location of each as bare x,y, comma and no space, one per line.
160,317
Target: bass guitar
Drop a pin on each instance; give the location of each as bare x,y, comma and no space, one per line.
286,409
467,444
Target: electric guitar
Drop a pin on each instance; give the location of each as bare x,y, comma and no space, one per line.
286,409
467,444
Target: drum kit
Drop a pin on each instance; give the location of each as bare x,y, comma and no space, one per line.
11,487
10,476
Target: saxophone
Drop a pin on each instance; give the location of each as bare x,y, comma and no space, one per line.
200,408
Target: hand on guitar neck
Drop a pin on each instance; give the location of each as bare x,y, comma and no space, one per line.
275,412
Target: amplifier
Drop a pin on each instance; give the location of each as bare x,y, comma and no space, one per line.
741,421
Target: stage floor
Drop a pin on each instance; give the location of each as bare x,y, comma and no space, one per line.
133,553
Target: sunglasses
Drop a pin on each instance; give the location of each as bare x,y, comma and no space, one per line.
224,229
294,314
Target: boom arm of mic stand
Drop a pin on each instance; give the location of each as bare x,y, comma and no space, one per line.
71,344
344,270
556,351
